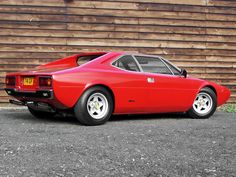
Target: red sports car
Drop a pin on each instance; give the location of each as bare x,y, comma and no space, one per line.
94,86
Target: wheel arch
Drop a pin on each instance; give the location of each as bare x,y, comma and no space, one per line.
213,88
210,87
195,114
200,88
104,86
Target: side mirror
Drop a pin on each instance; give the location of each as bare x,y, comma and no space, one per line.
184,73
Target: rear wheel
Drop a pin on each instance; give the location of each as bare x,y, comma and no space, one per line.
40,114
204,104
94,107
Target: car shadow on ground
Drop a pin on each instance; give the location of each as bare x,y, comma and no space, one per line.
49,119
149,116
70,119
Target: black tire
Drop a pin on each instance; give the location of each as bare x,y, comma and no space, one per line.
40,114
81,108
197,115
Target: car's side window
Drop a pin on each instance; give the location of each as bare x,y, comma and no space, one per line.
152,65
126,62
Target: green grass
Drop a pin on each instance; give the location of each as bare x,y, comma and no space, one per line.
231,108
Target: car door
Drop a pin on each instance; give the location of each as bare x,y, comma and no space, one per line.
129,86
167,92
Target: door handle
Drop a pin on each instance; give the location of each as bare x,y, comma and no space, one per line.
150,80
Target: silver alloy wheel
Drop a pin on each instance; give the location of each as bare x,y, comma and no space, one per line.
97,105
203,103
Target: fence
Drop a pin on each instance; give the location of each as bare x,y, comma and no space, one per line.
197,35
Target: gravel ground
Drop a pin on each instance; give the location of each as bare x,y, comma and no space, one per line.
147,145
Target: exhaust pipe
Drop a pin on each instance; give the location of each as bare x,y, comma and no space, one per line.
19,103
39,106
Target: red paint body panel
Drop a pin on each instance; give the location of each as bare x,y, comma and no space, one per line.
132,93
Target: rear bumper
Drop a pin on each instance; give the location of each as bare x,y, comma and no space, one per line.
39,106
37,98
37,94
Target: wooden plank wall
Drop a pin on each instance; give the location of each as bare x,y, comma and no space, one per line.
199,35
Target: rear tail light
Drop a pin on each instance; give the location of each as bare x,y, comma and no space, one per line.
45,82
10,81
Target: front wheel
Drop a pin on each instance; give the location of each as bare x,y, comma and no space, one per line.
94,107
204,104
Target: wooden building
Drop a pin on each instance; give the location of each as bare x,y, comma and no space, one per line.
199,35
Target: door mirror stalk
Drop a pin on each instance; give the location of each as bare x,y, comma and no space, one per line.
184,73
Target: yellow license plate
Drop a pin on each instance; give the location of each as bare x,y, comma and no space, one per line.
28,81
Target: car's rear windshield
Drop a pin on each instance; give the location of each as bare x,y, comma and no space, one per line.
84,59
